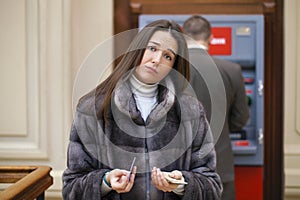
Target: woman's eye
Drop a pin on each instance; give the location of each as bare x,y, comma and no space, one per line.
168,57
151,48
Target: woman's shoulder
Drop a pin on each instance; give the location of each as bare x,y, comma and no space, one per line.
190,106
89,102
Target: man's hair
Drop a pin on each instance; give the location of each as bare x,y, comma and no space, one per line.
197,27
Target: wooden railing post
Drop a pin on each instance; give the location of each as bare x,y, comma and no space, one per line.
29,182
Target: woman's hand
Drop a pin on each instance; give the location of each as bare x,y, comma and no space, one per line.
118,180
160,182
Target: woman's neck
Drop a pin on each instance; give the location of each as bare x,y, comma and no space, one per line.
141,89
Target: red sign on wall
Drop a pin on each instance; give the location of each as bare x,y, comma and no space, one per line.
221,42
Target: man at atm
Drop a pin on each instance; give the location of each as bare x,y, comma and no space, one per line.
198,31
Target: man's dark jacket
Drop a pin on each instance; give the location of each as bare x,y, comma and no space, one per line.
211,79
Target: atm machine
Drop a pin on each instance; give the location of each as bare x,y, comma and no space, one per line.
240,39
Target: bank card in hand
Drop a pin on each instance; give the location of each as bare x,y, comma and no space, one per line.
131,168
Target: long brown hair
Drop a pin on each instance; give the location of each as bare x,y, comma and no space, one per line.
134,55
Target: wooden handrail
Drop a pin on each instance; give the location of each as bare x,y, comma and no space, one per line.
29,182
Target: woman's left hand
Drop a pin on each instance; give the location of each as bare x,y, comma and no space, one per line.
160,182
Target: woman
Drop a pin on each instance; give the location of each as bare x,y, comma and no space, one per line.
145,111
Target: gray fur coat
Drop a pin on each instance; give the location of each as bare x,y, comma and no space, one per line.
175,135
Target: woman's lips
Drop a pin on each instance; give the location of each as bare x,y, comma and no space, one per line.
153,69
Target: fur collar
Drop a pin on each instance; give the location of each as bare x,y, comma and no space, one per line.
125,102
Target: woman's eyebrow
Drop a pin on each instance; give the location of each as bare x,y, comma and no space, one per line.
158,44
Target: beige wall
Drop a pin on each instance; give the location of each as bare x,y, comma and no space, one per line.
43,44
45,51
292,99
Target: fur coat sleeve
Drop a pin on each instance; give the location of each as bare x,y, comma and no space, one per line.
83,177
203,180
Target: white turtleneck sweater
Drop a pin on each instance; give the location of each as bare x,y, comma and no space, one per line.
145,96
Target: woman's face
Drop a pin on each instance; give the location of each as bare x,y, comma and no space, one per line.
158,59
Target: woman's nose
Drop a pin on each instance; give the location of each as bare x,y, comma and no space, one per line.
157,57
